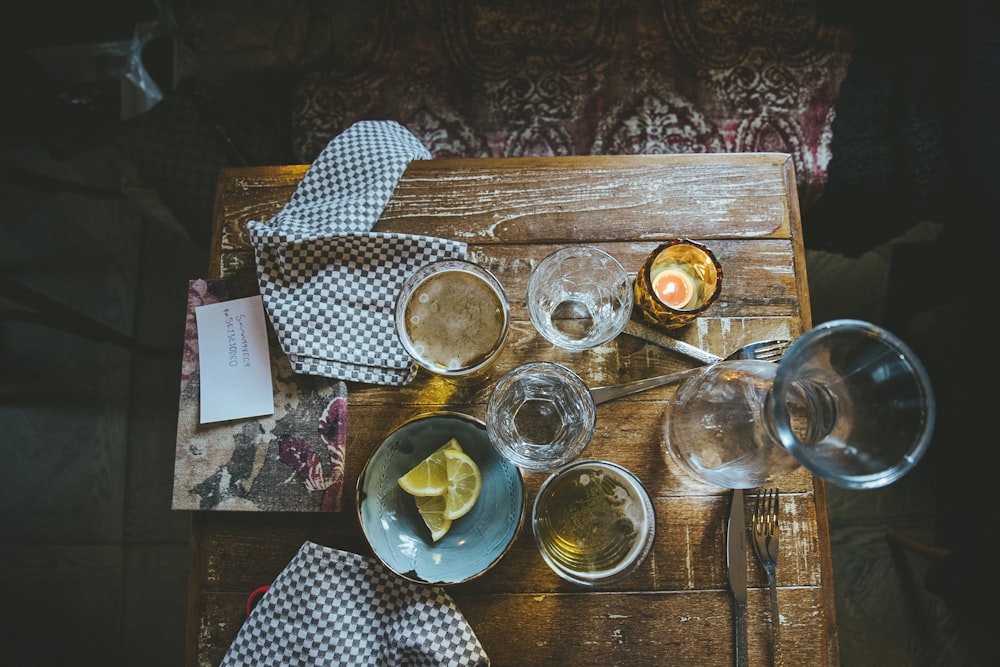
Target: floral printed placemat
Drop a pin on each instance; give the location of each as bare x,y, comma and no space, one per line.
291,461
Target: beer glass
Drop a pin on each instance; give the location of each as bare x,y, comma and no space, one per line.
452,317
593,522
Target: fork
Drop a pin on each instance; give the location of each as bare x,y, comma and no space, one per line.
764,526
762,350
651,335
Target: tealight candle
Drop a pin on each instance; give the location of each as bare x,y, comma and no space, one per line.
674,288
678,281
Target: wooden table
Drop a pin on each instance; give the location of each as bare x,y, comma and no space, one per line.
512,212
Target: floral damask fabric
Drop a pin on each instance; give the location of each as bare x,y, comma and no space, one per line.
474,78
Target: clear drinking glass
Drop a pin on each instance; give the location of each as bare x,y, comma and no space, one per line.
593,522
453,317
579,297
540,415
849,401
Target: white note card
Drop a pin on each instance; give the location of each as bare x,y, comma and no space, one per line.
234,361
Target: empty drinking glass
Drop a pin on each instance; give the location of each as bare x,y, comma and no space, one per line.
849,401
540,415
579,297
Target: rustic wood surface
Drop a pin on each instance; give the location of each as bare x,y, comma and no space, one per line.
512,212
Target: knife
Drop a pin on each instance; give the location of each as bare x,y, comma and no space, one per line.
736,563
651,335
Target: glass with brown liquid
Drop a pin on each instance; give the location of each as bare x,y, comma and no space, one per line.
453,317
593,522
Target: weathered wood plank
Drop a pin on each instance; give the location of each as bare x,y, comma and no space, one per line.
640,628
247,551
635,628
759,275
552,200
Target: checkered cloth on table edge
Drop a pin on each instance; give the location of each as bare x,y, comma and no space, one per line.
328,282
331,607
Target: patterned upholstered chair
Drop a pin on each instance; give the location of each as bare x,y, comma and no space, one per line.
477,79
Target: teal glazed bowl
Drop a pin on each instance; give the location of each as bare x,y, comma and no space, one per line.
396,532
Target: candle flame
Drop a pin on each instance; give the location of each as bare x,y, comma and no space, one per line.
674,288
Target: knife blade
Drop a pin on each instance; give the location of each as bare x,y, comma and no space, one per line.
736,564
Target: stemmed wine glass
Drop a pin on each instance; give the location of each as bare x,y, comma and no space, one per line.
849,401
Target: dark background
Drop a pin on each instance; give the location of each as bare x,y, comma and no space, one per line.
92,561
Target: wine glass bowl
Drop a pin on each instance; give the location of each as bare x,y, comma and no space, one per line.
853,404
849,401
716,427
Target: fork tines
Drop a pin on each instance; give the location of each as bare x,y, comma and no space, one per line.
765,512
772,351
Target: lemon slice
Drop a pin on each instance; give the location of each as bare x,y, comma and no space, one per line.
464,484
431,510
430,476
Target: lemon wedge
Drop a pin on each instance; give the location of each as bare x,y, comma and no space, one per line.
465,482
430,476
431,510
445,486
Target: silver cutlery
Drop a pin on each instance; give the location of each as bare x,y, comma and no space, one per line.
651,335
764,350
736,564
759,351
764,525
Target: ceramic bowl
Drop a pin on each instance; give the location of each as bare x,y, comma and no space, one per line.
393,527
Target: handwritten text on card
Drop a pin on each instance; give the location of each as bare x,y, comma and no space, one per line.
234,361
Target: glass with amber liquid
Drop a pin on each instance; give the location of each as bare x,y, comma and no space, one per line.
593,522
453,317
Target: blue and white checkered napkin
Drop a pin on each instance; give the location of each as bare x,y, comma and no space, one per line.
328,282
331,607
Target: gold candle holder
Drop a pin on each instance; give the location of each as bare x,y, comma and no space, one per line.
678,281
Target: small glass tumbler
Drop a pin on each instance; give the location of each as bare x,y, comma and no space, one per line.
679,280
579,297
593,522
540,415
452,317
